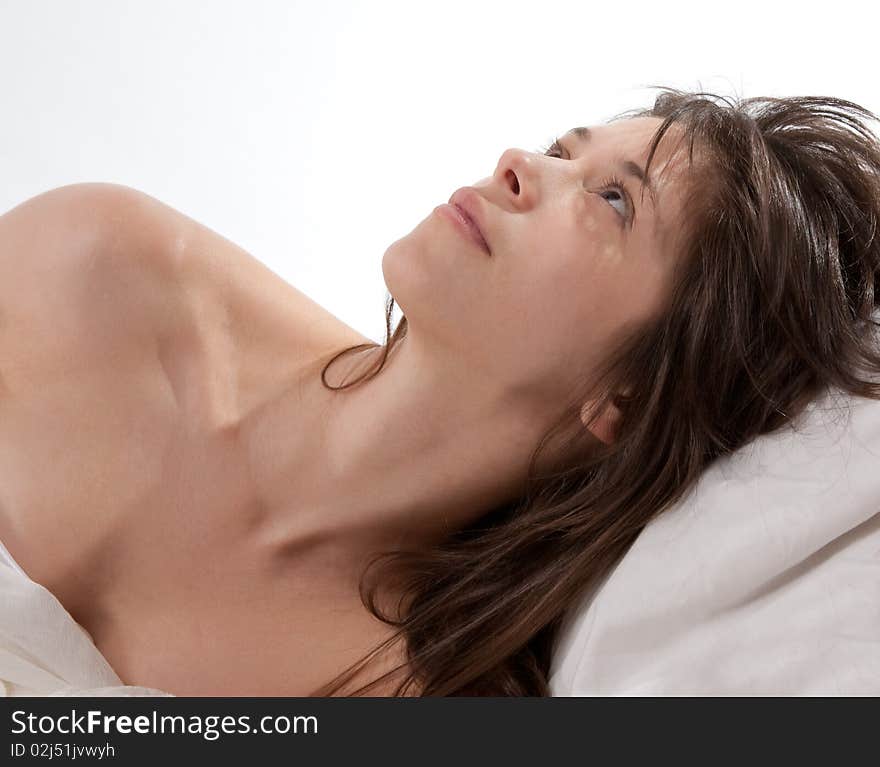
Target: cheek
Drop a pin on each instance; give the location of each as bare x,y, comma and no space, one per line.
594,233
611,253
588,222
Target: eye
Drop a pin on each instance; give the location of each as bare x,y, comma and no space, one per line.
616,186
554,149
611,184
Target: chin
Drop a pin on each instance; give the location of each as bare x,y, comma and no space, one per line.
402,272
414,268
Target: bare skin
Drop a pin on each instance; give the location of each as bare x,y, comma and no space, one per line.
223,500
125,488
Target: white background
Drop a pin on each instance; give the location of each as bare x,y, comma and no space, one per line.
314,134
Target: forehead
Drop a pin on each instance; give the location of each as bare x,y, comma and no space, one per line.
630,138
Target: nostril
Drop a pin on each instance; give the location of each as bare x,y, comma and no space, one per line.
512,175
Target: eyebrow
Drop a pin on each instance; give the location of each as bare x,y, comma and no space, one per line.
631,168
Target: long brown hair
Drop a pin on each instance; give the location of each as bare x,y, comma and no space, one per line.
772,302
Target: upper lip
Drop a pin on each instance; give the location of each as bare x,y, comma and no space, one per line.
468,201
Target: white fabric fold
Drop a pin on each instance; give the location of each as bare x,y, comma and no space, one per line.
43,650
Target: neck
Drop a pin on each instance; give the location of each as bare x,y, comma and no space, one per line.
415,453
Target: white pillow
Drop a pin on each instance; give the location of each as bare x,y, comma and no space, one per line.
763,580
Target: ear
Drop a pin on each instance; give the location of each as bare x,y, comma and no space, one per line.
604,428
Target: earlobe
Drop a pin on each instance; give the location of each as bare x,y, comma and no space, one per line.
604,428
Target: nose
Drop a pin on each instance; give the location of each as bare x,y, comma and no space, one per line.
516,174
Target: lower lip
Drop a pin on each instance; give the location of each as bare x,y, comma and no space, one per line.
464,226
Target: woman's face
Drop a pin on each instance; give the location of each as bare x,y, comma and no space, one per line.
574,261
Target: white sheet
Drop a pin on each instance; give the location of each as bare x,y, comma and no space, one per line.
764,580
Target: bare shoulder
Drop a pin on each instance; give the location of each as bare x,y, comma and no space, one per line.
96,274
60,227
116,247
116,311
75,217
83,279
82,251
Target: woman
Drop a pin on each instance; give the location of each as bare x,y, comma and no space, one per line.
646,296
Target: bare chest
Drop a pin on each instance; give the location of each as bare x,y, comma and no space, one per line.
157,547
227,627
128,497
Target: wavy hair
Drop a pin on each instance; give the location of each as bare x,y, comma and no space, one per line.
771,303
